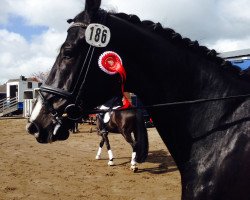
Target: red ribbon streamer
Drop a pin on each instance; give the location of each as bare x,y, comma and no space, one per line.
111,63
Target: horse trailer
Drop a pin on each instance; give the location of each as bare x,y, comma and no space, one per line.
16,92
29,100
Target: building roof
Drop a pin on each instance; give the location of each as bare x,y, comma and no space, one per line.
2,88
236,54
24,79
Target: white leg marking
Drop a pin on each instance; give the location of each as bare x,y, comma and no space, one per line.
98,155
111,157
110,154
133,162
133,167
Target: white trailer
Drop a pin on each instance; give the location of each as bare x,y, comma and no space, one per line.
16,90
29,100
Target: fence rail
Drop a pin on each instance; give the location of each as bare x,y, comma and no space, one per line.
8,105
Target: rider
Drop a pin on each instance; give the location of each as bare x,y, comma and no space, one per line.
114,102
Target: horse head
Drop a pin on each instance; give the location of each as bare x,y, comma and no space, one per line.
74,76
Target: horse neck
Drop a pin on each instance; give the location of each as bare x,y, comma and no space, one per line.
170,74
168,70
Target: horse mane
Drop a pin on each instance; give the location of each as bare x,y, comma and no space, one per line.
176,38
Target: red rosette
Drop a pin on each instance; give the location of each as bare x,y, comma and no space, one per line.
111,63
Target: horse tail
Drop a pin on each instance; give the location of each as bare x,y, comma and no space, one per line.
141,138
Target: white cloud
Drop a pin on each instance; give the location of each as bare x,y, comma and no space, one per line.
4,8
225,45
18,57
221,24
207,21
46,12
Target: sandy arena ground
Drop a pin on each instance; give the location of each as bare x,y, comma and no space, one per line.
68,170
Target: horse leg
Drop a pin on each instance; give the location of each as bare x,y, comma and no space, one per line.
98,155
110,153
128,137
134,166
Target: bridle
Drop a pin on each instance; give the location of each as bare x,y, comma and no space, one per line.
75,96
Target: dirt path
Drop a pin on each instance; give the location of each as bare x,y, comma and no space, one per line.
68,170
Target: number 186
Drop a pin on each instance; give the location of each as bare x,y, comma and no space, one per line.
98,35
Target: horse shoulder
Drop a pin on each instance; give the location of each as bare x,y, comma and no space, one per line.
224,170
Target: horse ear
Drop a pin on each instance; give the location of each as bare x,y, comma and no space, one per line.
92,5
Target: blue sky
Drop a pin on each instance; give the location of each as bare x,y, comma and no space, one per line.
31,31
18,24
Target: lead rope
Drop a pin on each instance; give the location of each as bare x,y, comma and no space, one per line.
95,111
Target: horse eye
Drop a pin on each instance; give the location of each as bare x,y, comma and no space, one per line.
67,53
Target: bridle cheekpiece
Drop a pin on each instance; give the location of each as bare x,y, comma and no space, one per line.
74,111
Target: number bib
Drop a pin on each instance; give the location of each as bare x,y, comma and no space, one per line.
97,35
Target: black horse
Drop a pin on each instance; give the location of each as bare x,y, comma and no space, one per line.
124,122
209,140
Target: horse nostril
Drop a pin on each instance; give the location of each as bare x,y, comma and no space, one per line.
31,128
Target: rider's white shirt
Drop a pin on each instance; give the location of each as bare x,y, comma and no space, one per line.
107,114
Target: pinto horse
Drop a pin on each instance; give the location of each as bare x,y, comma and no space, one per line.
125,122
202,111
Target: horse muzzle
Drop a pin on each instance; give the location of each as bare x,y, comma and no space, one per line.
44,137
34,130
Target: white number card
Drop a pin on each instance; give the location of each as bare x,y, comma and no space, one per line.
97,35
